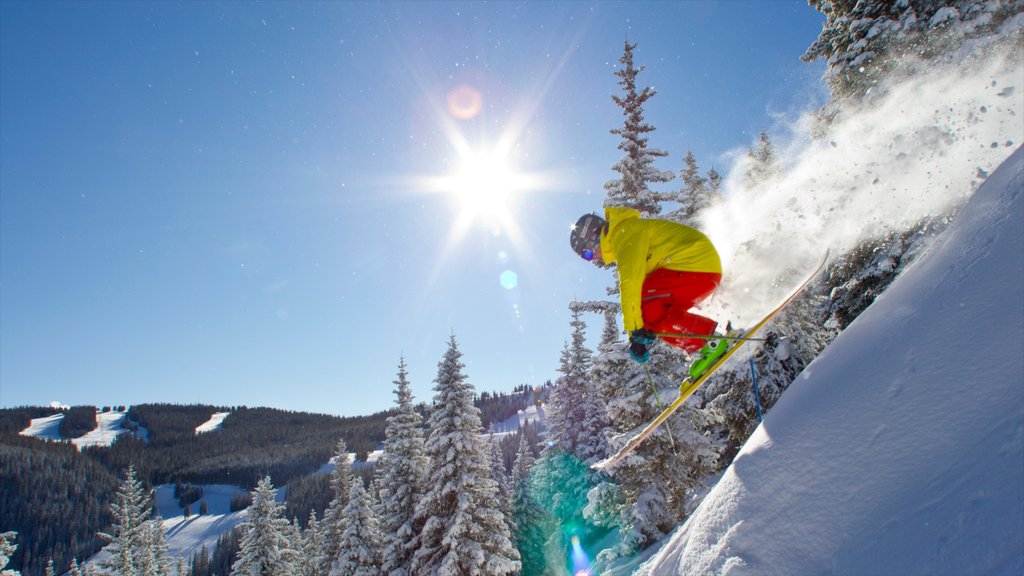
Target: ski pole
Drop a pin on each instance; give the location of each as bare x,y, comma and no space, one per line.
757,397
707,336
657,400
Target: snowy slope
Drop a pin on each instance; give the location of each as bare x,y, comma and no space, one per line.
900,450
108,428
216,422
46,428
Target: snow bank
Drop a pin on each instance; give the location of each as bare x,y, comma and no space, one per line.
900,450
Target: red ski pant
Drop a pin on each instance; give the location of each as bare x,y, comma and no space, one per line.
666,300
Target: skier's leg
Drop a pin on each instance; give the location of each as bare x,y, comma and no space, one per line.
668,296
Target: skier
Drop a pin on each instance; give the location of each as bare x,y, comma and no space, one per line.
665,269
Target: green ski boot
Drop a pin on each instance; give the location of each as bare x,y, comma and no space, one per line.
707,355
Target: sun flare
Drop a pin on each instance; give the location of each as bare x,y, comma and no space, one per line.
484,185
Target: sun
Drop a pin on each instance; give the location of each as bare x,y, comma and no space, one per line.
484,186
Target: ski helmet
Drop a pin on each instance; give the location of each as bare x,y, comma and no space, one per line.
585,236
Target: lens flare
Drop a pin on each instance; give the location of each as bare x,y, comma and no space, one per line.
580,562
509,279
465,102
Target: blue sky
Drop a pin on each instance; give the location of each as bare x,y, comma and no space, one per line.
258,203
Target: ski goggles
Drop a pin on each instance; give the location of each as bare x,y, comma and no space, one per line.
587,254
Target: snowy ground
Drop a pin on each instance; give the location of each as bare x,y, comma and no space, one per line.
900,450
185,536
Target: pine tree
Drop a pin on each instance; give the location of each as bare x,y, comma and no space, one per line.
533,526
153,561
863,42
400,474
131,509
459,524
578,417
697,192
636,168
359,553
762,166
265,546
73,570
334,517
312,562
7,547
653,483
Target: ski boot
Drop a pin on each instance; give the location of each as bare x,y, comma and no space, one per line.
711,352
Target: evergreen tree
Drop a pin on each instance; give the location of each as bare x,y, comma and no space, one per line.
532,524
653,483
864,41
49,568
636,168
131,509
400,473
578,417
459,524
697,192
153,559
265,546
7,547
74,569
762,165
360,548
334,516
312,562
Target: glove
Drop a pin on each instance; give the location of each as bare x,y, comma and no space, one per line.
639,340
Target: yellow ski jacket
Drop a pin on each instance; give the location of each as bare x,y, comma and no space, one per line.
639,246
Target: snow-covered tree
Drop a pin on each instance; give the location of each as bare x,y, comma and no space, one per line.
578,416
400,472
697,192
131,509
533,525
359,553
762,166
636,168
153,560
7,547
654,482
334,517
49,571
312,562
460,528
265,548
501,478
863,41
75,570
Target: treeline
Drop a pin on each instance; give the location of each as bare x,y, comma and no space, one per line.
56,498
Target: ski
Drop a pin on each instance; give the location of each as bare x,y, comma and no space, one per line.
688,387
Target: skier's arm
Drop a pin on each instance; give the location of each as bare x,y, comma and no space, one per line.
631,247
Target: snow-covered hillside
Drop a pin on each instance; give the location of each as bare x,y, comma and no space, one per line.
216,422
900,450
109,425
